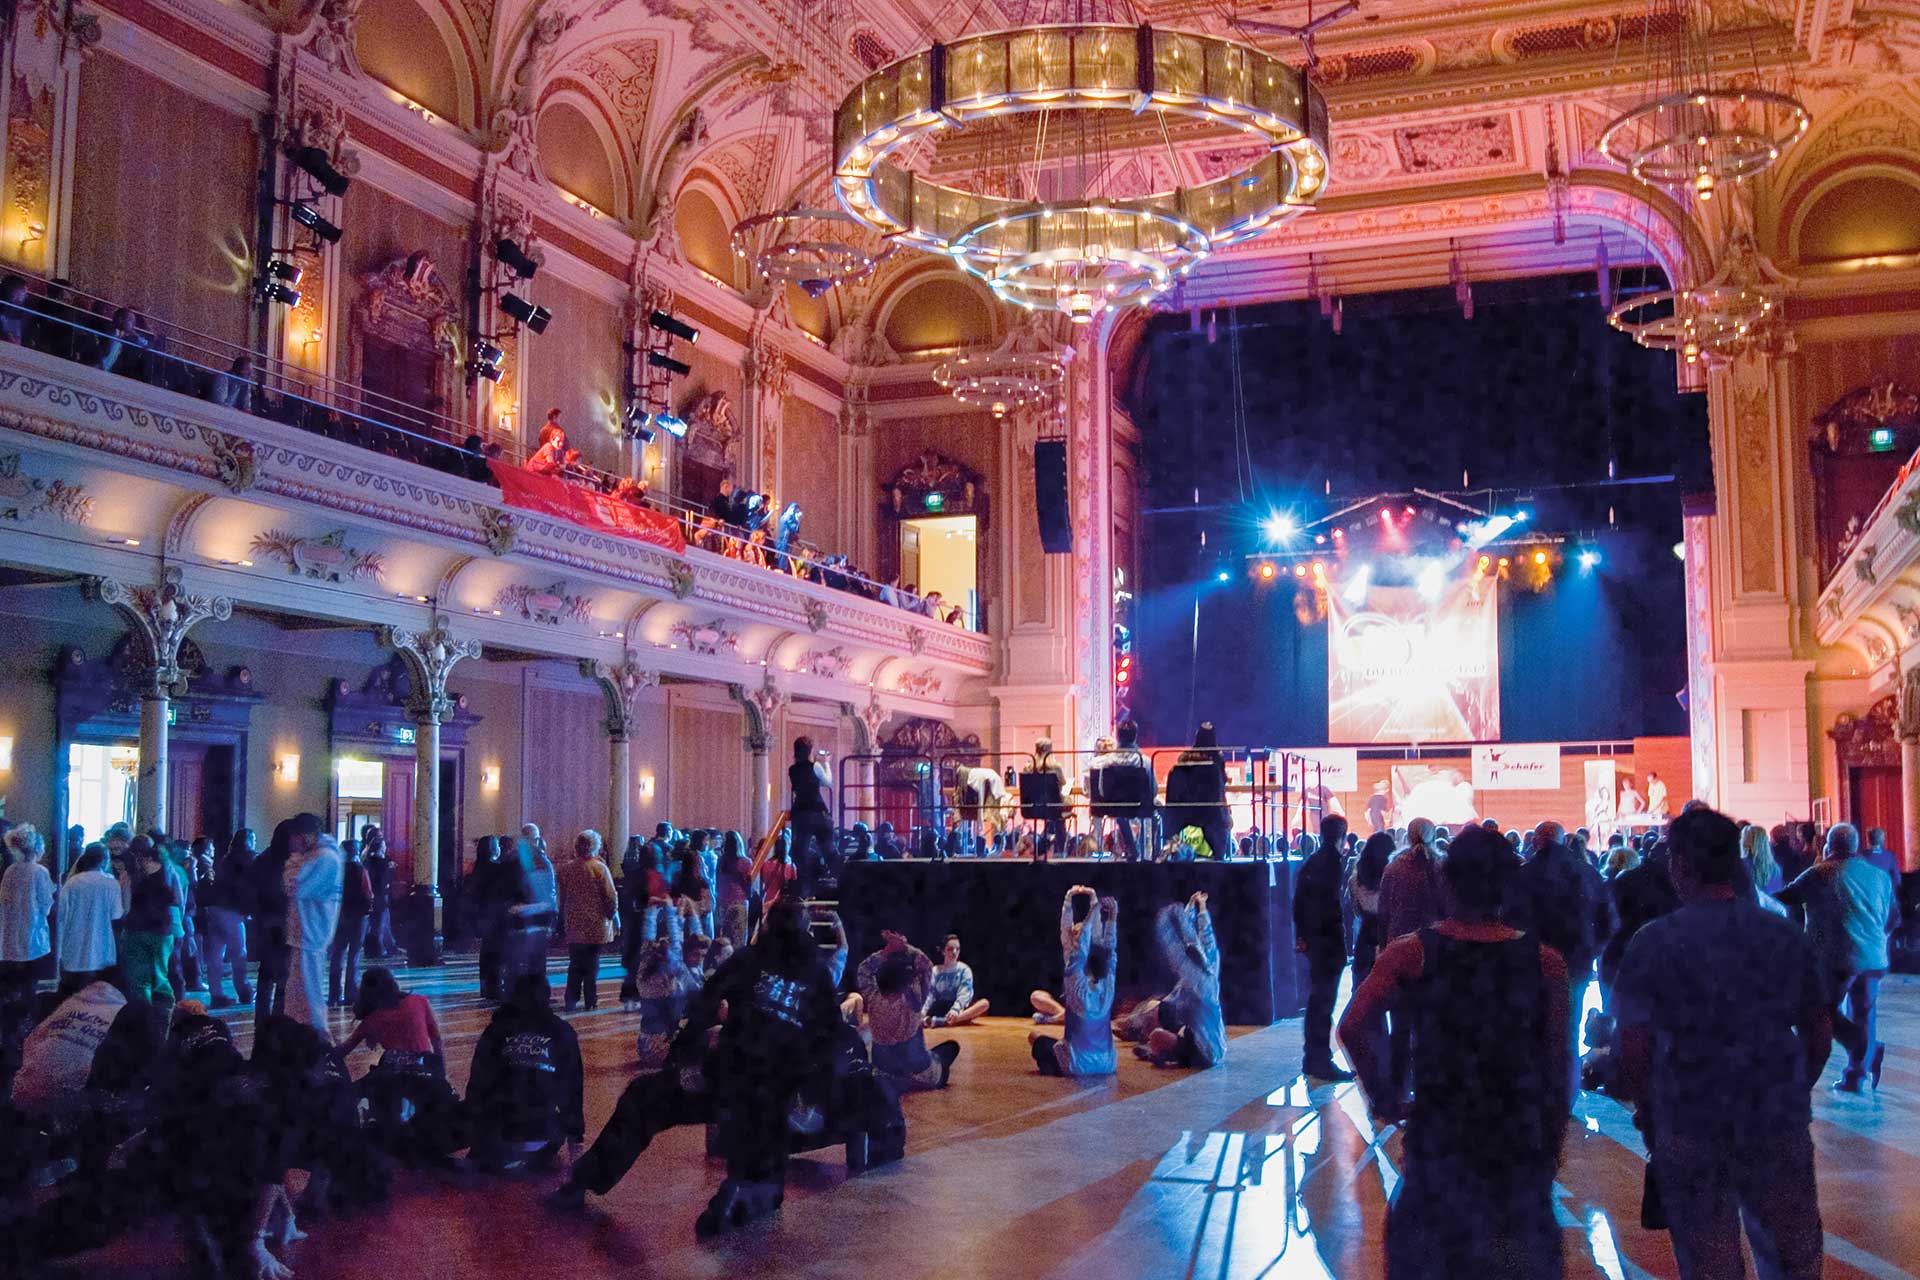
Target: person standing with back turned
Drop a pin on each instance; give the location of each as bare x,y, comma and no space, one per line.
1320,934
812,824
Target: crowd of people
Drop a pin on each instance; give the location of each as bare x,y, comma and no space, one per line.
1730,959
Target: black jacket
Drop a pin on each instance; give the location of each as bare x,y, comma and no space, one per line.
1317,918
1559,898
526,1079
782,1013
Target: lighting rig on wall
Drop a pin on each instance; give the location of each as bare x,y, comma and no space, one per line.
649,401
280,280
523,265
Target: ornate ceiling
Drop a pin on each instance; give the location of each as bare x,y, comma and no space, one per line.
1462,132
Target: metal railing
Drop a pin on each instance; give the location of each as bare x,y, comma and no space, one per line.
161,353
1283,794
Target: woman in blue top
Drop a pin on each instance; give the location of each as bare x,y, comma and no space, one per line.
1191,1030
950,1001
1086,997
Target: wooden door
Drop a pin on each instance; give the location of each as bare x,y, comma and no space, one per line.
1876,802
186,774
396,818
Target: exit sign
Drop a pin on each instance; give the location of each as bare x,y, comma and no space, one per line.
936,501
1880,439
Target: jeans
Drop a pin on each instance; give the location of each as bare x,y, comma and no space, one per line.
226,946
812,846
1323,987
1856,1019
270,984
1709,1187
143,962
650,1105
343,960
583,974
379,943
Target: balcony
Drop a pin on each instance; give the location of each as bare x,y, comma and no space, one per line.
106,475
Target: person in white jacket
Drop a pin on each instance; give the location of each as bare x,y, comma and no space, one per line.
1086,997
26,896
1191,1031
312,882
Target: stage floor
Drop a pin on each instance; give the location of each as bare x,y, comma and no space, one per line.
1239,1173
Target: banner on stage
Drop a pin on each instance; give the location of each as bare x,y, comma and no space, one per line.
1339,768
1403,667
1438,793
1517,766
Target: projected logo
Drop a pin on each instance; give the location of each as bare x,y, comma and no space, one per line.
1403,668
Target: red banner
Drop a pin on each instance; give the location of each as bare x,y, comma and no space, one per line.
553,496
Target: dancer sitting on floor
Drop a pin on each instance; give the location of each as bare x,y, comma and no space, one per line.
777,1032
664,981
1190,1031
1087,943
950,1001
894,983
524,1091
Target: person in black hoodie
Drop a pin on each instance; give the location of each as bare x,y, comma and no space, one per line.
350,930
268,899
1197,793
227,899
781,1018
373,856
483,890
524,1092
1559,898
1320,934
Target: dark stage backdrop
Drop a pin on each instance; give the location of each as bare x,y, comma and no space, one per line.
1532,399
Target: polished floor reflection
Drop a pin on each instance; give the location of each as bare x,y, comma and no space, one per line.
1239,1173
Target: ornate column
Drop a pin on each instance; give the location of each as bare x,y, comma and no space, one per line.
621,684
159,618
767,374
430,656
1908,727
760,706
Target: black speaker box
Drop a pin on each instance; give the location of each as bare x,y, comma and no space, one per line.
1050,496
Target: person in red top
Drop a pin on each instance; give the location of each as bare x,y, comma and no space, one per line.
553,456
412,1108
777,872
392,1020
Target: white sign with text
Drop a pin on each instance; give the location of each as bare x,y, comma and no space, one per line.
1517,766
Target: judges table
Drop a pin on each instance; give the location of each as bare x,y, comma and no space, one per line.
1007,914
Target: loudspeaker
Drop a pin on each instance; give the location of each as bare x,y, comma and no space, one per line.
1050,496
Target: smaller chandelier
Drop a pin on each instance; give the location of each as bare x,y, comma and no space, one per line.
1024,370
1730,314
814,249
1704,137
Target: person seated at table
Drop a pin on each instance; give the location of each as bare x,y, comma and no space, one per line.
894,983
1087,942
1191,1031
950,1001
553,456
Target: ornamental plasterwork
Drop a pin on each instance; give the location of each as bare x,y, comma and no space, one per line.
502,533
920,684
1907,514
1863,565
828,664
550,605
327,558
680,574
23,496
233,461
816,616
1909,619
712,637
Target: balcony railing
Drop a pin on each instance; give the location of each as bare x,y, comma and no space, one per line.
76,325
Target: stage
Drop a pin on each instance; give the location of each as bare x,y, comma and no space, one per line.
1007,914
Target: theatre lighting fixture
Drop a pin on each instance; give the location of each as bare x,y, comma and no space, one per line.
309,217
661,360
1280,527
315,164
672,424
678,328
524,312
1589,558
1267,571
280,292
485,360
282,270
514,258
1051,111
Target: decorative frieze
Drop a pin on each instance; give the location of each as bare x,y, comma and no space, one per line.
550,605
327,558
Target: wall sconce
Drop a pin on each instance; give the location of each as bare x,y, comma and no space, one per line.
489,777
6,754
506,424
286,769
646,786
312,339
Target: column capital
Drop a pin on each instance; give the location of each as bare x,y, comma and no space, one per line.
1907,713
620,684
160,617
430,657
761,705
868,721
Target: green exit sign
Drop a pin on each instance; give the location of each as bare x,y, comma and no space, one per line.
936,501
1880,439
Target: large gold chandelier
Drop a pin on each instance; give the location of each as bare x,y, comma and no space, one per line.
1027,370
1732,312
1698,128
1052,232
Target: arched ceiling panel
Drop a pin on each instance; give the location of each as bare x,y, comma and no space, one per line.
574,154
400,44
1868,217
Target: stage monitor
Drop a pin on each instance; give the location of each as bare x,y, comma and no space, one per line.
1406,667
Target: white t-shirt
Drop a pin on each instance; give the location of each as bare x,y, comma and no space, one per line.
312,882
26,895
58,1054
89,904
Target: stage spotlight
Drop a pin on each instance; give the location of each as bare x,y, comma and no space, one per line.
535,318
1223,576
671,424
1589,558
285,272
1679,551
309,217
1280,528
1355,591
1522,516
1319,539
678,328
1266,572
313,161
1386,517
660,360
1433,580
1319,568
275,291
1539,557
513,257
1299,571
1504,562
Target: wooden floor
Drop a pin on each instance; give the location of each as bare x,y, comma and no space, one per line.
1238,1173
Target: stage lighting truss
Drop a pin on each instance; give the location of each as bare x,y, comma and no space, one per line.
1024,371
814,249
1735,311
1093,250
